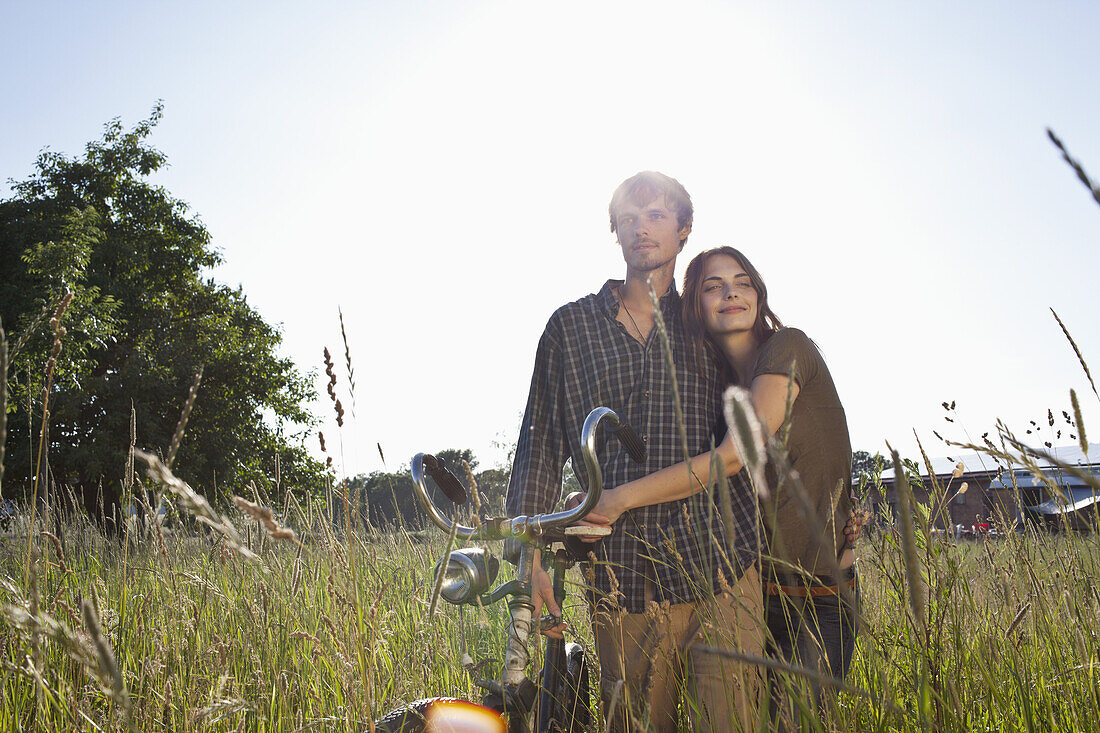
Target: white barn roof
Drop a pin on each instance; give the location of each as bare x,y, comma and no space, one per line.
974,463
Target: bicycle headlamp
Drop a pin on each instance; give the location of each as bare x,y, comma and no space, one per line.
469,573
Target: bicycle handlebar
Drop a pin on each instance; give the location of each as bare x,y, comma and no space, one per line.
540,523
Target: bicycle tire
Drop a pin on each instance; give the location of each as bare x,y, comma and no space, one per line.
408,718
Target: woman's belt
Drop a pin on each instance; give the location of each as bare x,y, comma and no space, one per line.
816,586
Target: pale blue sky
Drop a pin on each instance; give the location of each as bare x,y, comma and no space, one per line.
443,169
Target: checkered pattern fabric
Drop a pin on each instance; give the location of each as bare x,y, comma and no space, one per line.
587,359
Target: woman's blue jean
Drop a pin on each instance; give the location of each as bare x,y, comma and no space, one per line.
815,632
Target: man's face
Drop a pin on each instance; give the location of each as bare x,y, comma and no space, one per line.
649,235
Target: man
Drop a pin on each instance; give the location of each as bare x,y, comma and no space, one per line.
665,578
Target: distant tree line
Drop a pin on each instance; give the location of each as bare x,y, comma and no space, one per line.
388,500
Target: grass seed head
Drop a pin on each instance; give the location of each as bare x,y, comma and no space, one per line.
473,486
195,503
908,540
265,516
747,434
347,360
1080,424
106,669
331,386
185,415
1080,358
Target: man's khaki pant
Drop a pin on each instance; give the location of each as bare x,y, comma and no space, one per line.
648,662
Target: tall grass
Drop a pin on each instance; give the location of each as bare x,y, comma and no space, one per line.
210,636
209,639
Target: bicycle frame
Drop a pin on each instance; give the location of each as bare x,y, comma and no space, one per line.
535,533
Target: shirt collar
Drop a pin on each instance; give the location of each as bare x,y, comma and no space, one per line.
669,302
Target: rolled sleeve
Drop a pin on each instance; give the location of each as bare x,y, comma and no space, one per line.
787,347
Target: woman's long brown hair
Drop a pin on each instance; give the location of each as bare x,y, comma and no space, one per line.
702,345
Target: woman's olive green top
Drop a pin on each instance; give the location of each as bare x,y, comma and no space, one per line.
820,452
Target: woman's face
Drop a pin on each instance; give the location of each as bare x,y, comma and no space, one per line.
728,298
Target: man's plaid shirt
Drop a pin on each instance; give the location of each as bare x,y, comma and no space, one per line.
587,359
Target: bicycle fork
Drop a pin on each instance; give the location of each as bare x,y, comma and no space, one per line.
521,611
515,694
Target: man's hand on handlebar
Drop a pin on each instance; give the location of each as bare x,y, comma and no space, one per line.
601,514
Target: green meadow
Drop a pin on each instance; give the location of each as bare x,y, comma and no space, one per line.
176,629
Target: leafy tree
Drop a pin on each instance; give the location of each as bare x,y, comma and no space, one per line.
865,463
866,473
142,321
385,499
452,459
492,485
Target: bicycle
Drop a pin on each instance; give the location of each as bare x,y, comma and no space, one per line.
562,697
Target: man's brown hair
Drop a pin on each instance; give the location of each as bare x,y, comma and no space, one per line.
646,186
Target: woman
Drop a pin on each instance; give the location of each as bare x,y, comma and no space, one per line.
726,313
